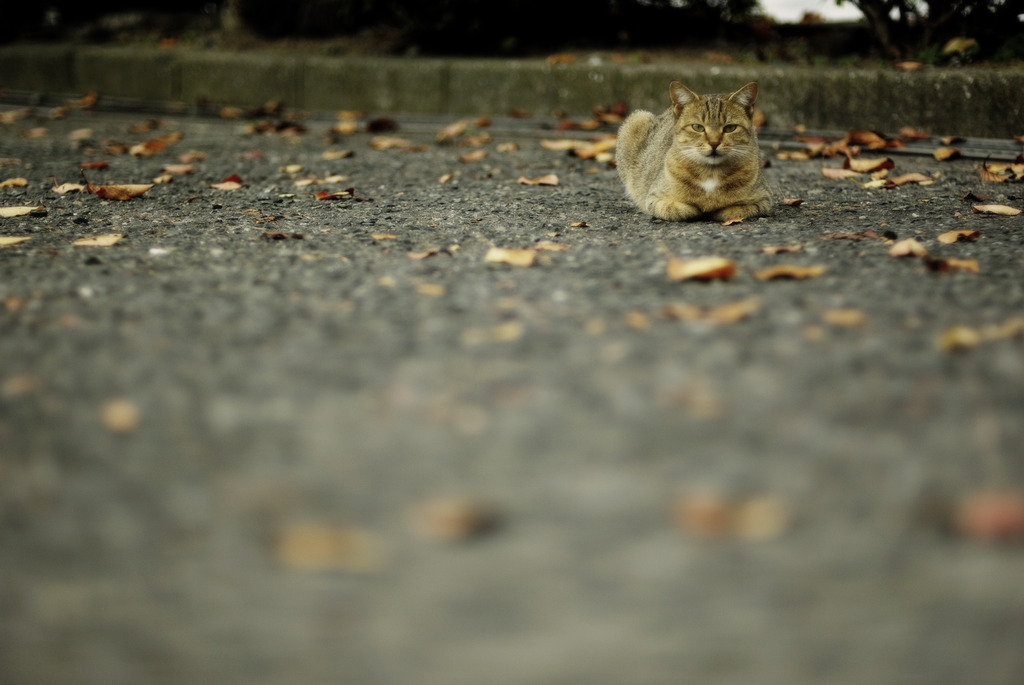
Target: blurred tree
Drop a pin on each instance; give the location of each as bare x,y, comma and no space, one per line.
909,28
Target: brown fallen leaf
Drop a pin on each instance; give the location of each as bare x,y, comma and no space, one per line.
6,240
393,143
792,201
951,237
595,149
179,169
732,312
150,147
991,516
734,220
514,257
121,416
943,154
785,271
781,249
1002,210
561,144
338,195
232,182
454,519
431,289
65,188
869,139
952,264
281,235
908,247
14,183
319,547
868,165
913,177
711,516
105,240
95,166
700,269
10,212
473,156
830,172
959,338
849,318
546,180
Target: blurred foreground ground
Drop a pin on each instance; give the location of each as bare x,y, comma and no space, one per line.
266,438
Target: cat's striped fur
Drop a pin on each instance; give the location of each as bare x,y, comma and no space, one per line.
696,160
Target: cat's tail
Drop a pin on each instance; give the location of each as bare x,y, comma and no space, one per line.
634,133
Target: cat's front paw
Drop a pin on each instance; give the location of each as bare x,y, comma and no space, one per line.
741,211
670,210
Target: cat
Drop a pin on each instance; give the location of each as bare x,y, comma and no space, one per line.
697,160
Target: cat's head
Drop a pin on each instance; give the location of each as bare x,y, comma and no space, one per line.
712,129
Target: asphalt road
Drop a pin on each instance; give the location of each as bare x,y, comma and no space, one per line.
265,438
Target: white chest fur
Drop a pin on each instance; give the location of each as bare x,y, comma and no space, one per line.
709,184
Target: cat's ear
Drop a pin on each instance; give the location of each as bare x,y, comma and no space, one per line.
745,97
681,96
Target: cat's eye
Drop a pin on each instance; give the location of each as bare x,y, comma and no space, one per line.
729,128
698,128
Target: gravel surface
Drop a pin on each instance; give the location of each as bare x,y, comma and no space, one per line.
266,438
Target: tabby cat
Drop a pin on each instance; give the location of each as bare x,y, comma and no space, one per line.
697,160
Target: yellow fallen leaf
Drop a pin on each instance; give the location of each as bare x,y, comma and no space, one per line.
784,271
951,237
65,188
13,240
14,183
780,249
839,173
1002,210
561,144
501,255
291,168
959,338
913,177
430,289
9,212
701,269
546,180
121,416
943,154
733,311
908,247
451,519
867,164
473,156
317,547
383,236
850,318
99,241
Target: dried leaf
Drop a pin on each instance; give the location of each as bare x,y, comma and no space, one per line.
99,241
332,155
734,220
14,183
65,188
339,195
454,519
952,264
701,269
121,416
839,173
392,143
951,237
152,146
913,177
473,156
868,165
507,147
501,255
784,271
943,154
780,249
595,149
6,240
561,144
1002,210
908,247
869,139
9,212
850,318
317,547
97,165
452,131
430,289
546,180
732,311
792,201
992,516
232,182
